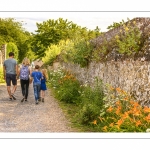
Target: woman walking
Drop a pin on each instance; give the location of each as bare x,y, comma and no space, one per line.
24,74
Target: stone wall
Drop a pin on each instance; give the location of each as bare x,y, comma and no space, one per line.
131,76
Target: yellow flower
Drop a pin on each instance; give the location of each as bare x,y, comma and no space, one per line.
104,128
126,28
95,122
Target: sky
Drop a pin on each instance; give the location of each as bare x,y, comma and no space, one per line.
84,19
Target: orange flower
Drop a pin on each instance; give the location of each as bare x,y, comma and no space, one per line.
136,104
138,123
119,122
118,103
147,118
125,115
110,109
94,122
126,98
118,89
111,125
146,109
104,128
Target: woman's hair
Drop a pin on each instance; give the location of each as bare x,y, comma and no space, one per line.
44,72
26,61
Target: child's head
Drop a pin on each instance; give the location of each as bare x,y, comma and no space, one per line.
44,72
37,66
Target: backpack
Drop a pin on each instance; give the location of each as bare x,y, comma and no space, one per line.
24,73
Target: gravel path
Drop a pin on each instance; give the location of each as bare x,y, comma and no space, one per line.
29,117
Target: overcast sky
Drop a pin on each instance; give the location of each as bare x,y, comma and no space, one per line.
83,19
84,13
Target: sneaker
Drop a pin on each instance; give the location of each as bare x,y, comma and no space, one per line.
26,100
36,102
13,97
42,99
22,100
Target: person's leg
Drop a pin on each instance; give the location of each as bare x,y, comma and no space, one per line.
26,90
14,82
22,89
35,92
38,90
8,83
43,95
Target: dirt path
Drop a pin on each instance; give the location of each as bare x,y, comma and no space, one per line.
29,117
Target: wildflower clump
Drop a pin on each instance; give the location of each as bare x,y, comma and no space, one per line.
121,113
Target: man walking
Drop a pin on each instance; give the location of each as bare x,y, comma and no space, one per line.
10,69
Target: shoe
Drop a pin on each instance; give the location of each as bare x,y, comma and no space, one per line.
39,98
22,100
37,102
10,99
13,97
26,100
42,99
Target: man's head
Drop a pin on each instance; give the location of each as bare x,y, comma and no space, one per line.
11,54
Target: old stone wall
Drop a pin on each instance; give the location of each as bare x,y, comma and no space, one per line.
131,76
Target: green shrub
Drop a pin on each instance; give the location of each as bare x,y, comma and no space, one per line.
1,75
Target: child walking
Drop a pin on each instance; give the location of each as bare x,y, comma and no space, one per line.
36,76
43,83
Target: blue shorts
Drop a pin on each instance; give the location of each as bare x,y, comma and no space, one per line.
9,78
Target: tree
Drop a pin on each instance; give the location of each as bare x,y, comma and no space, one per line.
53,31
12,31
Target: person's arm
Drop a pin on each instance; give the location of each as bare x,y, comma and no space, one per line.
16,69
31,78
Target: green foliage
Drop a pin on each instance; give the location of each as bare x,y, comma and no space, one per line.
127,42
115,25
11,47
82,53
54,51
12,31
1,75
92,102
51,32
66,85
121,113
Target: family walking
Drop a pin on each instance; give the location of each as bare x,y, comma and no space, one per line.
12,73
